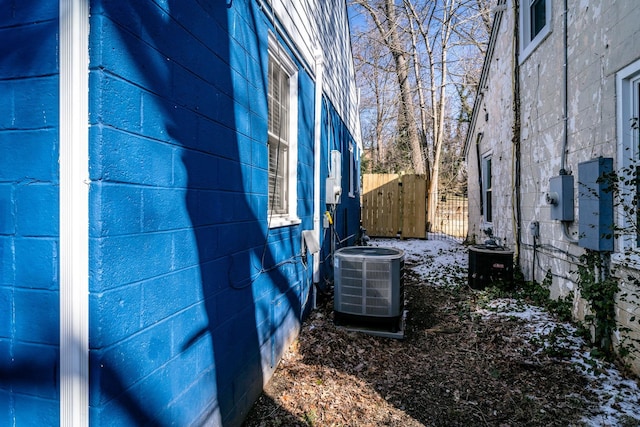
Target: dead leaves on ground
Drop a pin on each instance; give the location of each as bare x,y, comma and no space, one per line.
453,369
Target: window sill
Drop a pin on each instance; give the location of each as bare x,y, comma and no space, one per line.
630,259
283,221
527,50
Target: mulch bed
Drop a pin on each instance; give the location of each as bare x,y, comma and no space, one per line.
454,368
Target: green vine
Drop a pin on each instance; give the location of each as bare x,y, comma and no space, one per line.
597,283
599,288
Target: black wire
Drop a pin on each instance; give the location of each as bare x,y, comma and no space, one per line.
548,253
253,278
291,259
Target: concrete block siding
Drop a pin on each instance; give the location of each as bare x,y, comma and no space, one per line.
595,54
29,243
336,137
184,303
192,296
493,137
183,256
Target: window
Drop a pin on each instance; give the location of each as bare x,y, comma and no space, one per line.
628,135
282,101
352,171
535,24
537,17
487,206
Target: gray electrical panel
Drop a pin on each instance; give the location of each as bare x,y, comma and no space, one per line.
595,204
560,197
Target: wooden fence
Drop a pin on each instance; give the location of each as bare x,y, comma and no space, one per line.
394,205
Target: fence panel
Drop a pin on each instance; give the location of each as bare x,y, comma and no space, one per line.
394,205
451,217
414,206
380,204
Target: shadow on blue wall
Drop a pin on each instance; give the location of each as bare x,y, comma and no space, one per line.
29,178
215,195
227,268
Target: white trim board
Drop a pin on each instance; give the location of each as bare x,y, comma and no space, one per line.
74,212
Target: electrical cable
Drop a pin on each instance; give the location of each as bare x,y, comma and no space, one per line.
546,249
516,138
538,264
565,137
253,278
565,231
292,259
533,261
347,238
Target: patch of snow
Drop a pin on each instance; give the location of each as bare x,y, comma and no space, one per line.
618,398
429,259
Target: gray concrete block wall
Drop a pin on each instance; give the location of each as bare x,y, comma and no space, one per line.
602,40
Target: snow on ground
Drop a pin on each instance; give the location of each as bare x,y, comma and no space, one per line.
445,262
437,262
619,398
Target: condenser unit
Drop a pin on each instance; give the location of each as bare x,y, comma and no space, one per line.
369,286
488,265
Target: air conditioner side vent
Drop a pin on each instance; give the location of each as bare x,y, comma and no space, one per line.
369,282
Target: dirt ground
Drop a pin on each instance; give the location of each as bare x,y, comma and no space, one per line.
453,368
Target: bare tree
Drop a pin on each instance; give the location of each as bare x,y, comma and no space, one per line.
437,80
383,15
437,48
378,103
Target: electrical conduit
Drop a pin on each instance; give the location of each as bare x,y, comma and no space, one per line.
317,149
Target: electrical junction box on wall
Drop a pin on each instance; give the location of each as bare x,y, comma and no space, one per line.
560,197
534,228
334,181
595,204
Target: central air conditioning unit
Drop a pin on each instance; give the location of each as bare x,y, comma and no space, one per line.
369,286
489,264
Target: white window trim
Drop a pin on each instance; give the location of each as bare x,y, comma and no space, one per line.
483,165
527,47
627,99
277,52
352,171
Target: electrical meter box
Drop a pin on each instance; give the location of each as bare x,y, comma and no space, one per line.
334,180
595,204
560,197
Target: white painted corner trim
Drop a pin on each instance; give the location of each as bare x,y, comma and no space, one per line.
74,212
317,152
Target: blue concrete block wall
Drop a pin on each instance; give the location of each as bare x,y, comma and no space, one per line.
29,186
346,214
192,296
